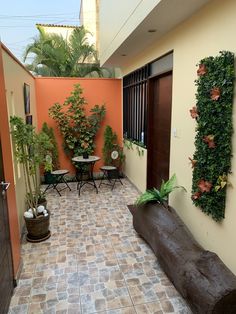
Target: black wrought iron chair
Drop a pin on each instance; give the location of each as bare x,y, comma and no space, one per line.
111,174
58,176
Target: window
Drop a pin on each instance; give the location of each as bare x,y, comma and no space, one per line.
135,87
135,105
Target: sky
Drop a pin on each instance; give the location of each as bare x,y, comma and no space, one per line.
18,19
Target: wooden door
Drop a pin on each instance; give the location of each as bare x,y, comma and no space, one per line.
159,126
6,273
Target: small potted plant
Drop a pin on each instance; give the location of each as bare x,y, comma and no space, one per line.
112,152
29,150
159,196
51,159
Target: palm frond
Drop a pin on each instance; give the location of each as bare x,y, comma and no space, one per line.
56,56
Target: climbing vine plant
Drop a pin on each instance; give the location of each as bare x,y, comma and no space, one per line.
213,113
77,128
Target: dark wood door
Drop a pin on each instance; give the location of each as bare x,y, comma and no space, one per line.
159,126
6,273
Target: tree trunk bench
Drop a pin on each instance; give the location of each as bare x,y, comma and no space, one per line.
199,275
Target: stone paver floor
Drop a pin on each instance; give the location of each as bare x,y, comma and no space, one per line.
94,260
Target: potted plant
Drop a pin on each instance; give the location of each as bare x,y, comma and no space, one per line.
51,159
112,153
30,149
159,196
77,126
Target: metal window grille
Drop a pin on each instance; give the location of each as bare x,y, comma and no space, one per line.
135,105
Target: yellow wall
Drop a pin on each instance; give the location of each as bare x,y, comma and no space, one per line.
206,33
15,77
135,165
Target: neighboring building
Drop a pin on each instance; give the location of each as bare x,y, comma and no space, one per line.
157,44
89,19
64,30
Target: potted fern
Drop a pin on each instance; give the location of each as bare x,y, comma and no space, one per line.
30,149
159,196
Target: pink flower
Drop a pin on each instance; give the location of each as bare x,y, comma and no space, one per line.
194,112
201,70
209,139
215,93
204,186
196,196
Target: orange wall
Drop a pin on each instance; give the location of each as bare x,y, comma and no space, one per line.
8,171
95,91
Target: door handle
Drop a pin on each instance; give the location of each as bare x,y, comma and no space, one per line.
5,185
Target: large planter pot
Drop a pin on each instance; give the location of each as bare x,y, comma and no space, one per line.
38,228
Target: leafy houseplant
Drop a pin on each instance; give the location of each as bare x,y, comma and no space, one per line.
30,149
77,129
51,159
111,145
159,196
53,151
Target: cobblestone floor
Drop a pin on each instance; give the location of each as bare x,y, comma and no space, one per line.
94,260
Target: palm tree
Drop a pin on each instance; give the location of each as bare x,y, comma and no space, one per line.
73,57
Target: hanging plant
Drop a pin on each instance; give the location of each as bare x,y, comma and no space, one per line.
213,113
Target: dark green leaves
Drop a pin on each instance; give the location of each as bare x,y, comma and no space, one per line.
78,129
161,196
214,131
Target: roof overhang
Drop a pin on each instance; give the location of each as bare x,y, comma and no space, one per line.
166,15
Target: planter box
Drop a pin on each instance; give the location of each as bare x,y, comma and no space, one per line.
199,275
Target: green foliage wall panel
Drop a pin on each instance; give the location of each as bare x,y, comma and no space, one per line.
213,113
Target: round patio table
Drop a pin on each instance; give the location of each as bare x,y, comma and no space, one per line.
84,173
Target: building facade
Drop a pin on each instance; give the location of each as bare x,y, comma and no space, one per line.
158,44
89,19
63,30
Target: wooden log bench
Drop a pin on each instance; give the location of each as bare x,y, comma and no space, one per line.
200,276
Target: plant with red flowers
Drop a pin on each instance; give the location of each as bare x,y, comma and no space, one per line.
209,139
215,93
194,112
204,186
202,70
213,114
196,196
